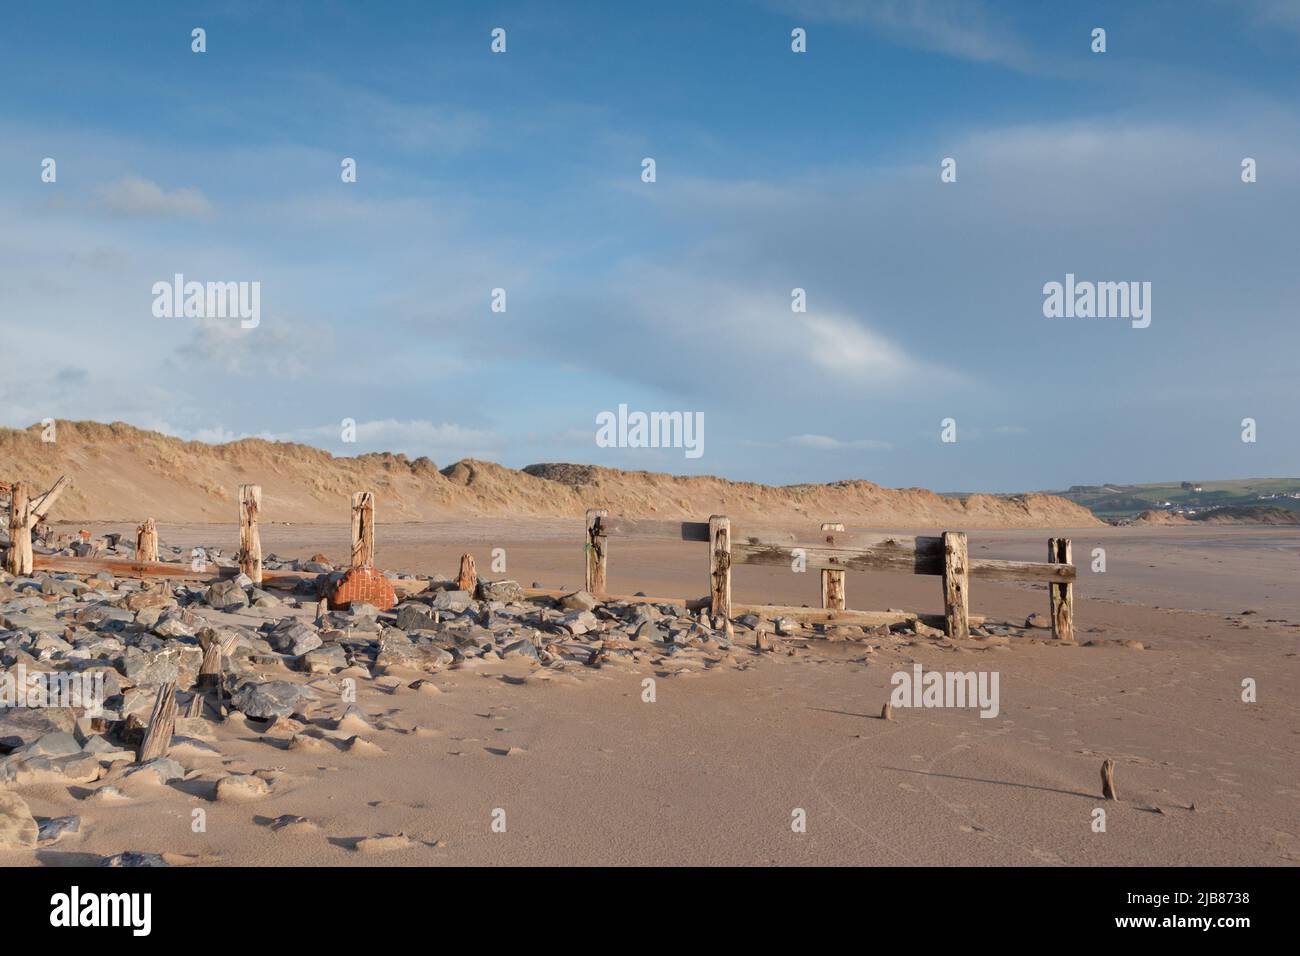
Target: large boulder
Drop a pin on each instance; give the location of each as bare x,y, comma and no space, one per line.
227,595
277,698
578,601
415,617
396,650
505,591
294,637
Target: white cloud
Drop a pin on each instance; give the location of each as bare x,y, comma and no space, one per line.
962,28
840,344
827,443
134,198
276,347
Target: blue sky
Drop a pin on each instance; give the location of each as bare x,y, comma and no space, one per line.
775,170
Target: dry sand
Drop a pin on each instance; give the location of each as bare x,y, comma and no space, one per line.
711,772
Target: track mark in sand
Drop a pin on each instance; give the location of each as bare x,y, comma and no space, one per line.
1043,856
1073,691
1287,845
969,825
888,848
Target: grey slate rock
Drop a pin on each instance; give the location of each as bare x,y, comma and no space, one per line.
277,698
521,648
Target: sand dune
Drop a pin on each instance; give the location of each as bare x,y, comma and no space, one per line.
124,473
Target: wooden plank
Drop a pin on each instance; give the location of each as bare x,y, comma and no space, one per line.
1061,596
720,566
990,569
893,555
817,615
162,724
19,560
923,545
596,551
956,585
181,571
650,528
690,604
833,581
41,506
250,542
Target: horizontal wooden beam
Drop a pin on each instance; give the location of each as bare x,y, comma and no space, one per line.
990,569
887,556
840,540
691,604
896,555
818,615
660,530
179,571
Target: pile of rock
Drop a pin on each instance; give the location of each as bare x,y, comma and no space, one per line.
139,636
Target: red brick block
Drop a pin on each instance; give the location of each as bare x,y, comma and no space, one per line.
364,585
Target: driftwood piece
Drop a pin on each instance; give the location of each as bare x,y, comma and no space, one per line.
41,506
467,580
162,724
1108,779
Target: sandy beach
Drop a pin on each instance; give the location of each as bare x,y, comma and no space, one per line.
582,770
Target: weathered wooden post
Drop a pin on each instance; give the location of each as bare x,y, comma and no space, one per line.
720,566
24,515
146,541
467,580
250,542
596,549
956,584
20,532
1061,594
162,724
363,529
832,581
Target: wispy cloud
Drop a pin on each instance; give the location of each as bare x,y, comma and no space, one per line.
967,29
827,443
137,198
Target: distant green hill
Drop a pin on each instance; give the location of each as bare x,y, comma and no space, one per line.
1125,501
